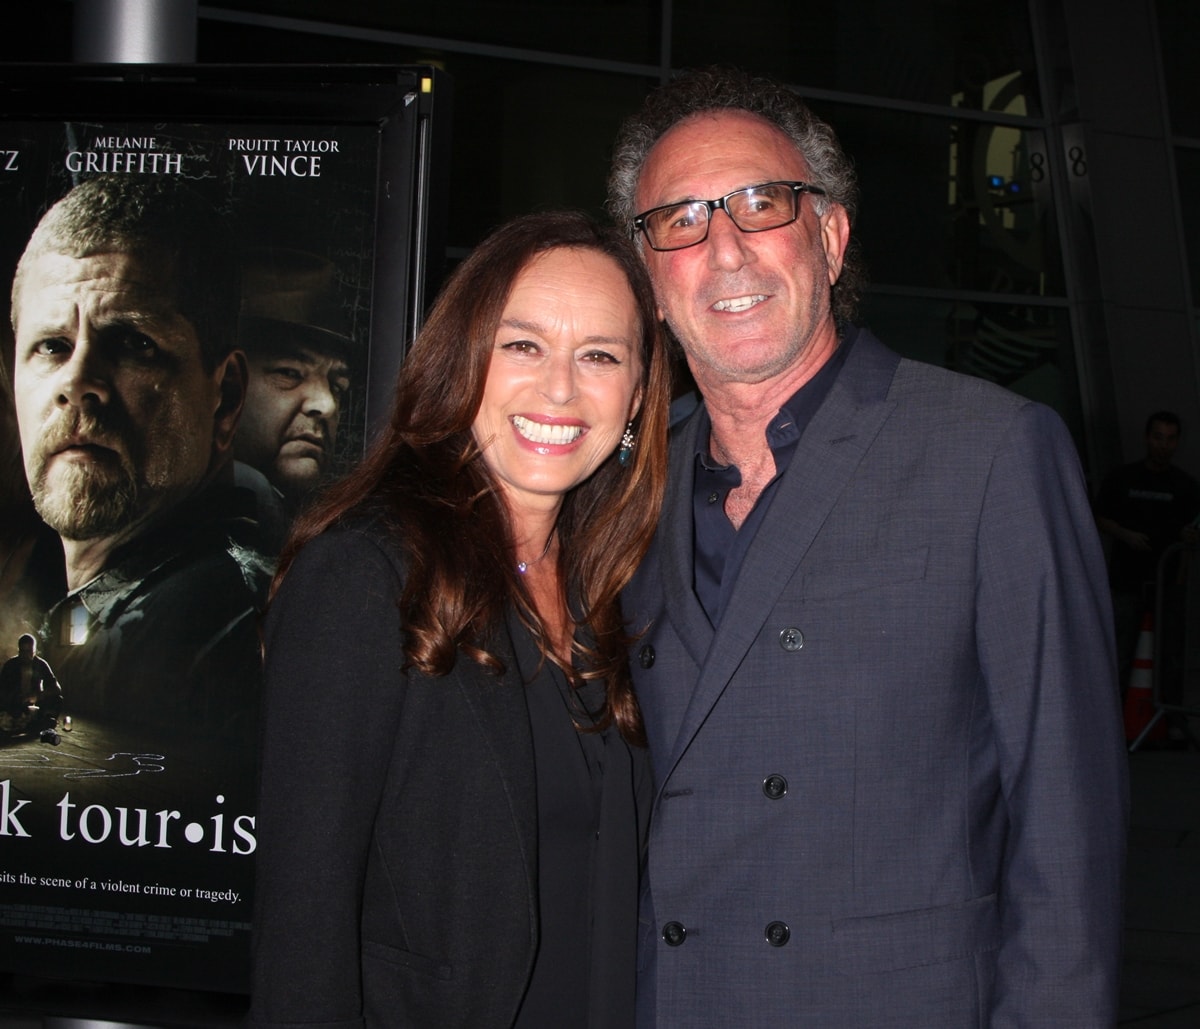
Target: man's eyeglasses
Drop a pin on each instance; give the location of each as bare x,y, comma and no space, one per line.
753,209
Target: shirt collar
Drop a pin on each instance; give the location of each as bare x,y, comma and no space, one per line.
783,431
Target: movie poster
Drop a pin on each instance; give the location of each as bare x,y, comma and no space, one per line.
149,474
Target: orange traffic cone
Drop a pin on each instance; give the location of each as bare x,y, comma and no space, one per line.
1139,698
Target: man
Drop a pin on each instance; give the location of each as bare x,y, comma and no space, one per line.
298,351
877,676
31,576
30,696
1145,507
128,390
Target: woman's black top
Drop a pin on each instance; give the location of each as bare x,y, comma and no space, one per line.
588,811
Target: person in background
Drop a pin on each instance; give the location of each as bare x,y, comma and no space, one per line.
877,677
453,777
1145,507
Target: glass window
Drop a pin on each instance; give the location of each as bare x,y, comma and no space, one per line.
963,204
616,30
530,137
227,42
524,136
1178,31
1026,348
931,51
42,33
1187,169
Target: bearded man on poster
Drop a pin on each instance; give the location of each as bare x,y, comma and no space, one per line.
128,389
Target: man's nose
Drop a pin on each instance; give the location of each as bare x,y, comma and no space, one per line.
728,246
319,400
85,377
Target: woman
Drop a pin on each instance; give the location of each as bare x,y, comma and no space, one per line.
453,791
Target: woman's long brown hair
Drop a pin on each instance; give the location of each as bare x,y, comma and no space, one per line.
426,478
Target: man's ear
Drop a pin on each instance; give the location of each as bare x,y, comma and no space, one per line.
835,237
230,376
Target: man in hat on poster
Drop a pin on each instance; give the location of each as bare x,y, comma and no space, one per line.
298,348
128,389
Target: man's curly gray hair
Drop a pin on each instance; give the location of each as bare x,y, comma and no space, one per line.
722,89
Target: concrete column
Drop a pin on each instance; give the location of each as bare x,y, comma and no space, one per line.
1131,293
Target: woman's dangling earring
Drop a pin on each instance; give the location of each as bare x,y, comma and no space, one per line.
625,450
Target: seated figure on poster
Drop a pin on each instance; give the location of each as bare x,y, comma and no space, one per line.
296,336
128,389
30,696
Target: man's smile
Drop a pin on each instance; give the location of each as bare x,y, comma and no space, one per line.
736,304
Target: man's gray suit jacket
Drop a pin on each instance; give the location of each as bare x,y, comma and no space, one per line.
891,782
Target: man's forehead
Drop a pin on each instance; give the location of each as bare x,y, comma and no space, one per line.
60,293
307,354
117,277
715,152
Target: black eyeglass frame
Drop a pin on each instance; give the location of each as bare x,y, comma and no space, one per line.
722,204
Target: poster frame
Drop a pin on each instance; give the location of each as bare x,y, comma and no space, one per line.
406,268
413,154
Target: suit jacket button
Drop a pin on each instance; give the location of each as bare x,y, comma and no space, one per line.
646,656
774,786
674,934
791,639
777,934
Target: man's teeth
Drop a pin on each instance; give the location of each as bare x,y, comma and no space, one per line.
536,432
739,303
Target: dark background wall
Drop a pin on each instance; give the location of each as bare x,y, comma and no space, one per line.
1029,171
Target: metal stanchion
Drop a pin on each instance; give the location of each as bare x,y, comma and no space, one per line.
1172,594
135,31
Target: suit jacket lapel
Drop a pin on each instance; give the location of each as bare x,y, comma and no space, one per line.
826,457
675,546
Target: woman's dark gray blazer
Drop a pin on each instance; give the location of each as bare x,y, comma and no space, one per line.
403,830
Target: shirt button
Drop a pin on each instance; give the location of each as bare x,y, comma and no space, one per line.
791,639
674,934
777,934
775,786
646,656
